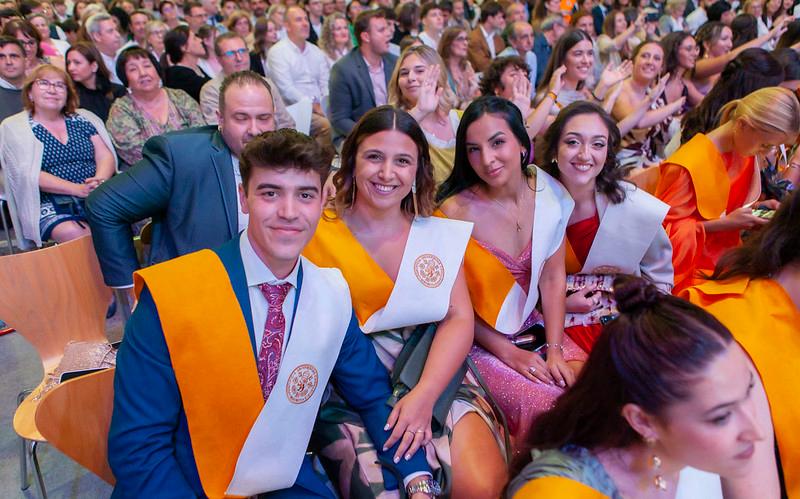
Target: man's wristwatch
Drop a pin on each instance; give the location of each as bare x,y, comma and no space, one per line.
428,486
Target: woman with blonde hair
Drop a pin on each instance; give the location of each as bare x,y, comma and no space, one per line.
462,79
155,37
53,156
419,85
711,183
239,23
672,20
265,36
335,40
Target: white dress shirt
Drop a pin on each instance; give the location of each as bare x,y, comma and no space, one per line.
256,273
243,218
111,65
298,72
489,37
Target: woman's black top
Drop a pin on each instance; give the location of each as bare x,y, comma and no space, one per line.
183,78
97,101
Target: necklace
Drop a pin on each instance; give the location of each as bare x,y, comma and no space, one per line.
516,218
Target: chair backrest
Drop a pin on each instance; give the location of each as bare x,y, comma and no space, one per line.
53,296
75,416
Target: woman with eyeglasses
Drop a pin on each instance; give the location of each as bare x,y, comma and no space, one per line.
30,38
155,37
712,184
460,76
148,109
53,155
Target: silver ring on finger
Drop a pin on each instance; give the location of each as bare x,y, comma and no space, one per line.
532,370
419,431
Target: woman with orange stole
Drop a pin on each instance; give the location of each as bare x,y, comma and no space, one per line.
516,256
641,421
755,292
403,267
711,182
615,228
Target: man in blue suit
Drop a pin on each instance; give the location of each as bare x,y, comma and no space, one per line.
225,360
360,80
186,182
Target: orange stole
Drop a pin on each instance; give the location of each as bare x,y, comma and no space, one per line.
766,323
488,280
223,398
333,245
557,487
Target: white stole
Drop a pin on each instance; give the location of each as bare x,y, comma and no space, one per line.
552,208
626,231
431,261
273,453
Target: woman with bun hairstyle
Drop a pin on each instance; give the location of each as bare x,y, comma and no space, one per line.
614,228
755,292
711,182
665,387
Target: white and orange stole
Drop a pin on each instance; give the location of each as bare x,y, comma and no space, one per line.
496,296
243,446
421,293
625,235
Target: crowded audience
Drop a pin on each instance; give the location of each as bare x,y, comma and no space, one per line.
537,249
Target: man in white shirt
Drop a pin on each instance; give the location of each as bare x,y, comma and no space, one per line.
232,54
102,30
300,71
432,24
520,39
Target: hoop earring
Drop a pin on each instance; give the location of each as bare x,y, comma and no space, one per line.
414,198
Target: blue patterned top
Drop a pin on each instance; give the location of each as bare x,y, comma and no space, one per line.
73,161
571,461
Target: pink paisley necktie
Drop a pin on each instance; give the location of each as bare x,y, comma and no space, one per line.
269,356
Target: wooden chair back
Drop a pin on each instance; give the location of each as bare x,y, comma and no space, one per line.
75,416
55,295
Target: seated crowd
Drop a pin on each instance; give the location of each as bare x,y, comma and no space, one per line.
527,248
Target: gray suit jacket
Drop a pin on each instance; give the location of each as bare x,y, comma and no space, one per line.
351,94
185,182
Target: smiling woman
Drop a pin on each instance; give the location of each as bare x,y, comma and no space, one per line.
149,109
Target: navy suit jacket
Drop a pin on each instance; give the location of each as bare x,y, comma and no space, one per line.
149,447
185,181
351,93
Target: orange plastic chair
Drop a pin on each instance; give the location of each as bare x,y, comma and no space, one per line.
52,296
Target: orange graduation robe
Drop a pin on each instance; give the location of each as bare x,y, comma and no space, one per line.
765,321
695,182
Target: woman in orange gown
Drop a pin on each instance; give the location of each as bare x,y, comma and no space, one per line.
711,183
755,292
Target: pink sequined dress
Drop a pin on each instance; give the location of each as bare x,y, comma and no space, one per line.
519,398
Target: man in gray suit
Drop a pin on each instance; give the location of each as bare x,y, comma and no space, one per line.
360,80
187,182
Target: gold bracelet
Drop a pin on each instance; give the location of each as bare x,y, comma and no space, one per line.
553,95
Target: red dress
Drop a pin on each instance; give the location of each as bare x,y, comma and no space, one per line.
580,237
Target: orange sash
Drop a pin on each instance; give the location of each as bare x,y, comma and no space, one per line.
765,321
557,487
573,266
709,174
488,280
215,367
366,278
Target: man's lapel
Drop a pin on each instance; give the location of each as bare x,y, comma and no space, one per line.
363,72
232,260
221,159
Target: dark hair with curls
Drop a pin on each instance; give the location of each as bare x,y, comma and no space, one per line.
769,250
745,29
751,70
709,33
285,148
382,119
671,45
608,181
463,175
491,83
649,356
559,55
790,36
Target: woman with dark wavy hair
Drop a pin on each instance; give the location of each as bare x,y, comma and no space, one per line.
615,228
665,387
755,292
519,214
182,53
404,269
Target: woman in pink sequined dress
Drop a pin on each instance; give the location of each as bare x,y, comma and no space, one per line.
516,257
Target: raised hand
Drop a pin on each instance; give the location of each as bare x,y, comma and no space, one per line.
429,94
557,80
614,74
521,95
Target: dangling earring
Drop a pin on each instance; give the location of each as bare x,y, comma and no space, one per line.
655,462
353,190
414,198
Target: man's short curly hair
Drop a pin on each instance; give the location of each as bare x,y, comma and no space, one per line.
490,83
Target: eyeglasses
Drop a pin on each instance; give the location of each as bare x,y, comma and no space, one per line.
47,85
232,53
28,43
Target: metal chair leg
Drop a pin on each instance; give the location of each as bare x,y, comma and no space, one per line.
23,451
38,470
5,226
